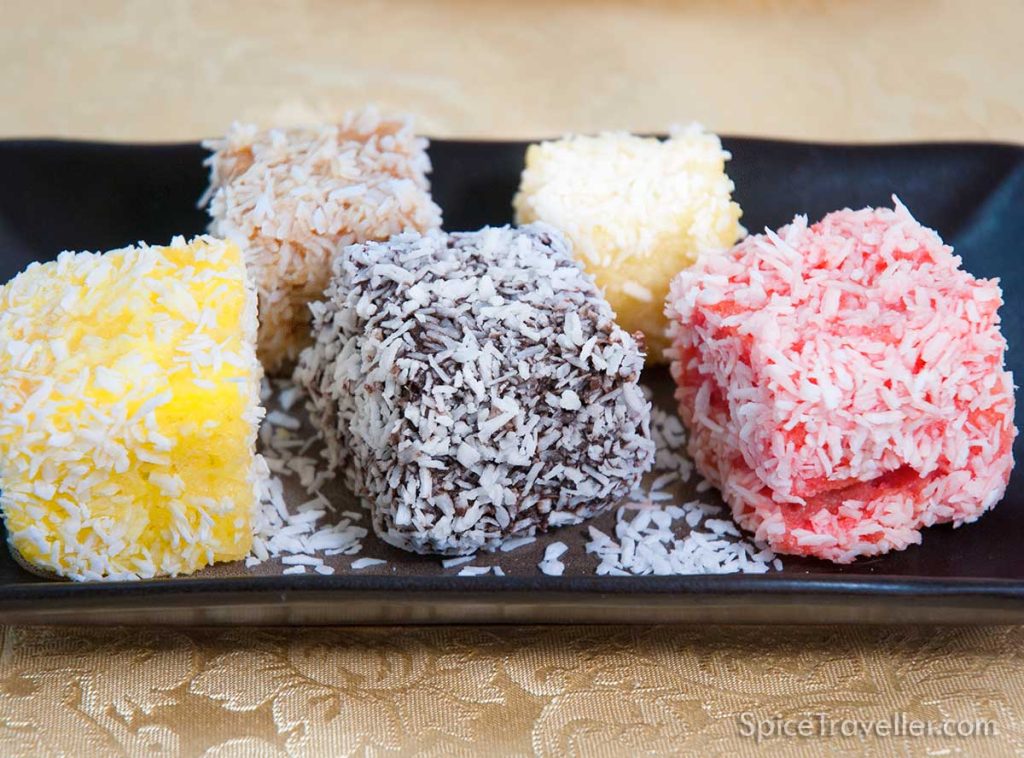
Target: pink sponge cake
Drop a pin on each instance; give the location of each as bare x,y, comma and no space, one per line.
843,383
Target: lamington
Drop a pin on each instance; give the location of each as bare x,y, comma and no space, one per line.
292,198
843,383
475,387
129,402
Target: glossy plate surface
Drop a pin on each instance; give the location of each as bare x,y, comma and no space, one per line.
74,195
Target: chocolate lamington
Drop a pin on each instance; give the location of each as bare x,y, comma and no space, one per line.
474,387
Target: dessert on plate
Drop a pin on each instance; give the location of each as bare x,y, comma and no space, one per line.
292,198
637,210
475,387
843,383
129,401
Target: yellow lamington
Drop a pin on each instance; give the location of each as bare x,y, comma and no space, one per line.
637,210
129,404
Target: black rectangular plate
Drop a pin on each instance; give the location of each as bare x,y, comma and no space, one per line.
77,195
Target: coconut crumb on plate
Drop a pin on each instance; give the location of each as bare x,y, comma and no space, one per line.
309,529
361,563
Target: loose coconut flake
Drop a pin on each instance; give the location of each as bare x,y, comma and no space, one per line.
302,534
655,532
655,535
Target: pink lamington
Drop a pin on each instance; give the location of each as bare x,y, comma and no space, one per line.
843,383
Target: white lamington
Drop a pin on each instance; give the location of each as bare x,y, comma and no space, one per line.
474,387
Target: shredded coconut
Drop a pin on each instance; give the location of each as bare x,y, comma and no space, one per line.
361,563
309,530
293,198
636,209
844,383
416,385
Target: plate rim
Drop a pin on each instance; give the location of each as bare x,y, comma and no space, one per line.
761,590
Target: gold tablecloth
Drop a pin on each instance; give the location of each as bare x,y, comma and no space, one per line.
841,70
510,691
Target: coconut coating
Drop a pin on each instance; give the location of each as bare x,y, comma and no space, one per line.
292,198
843,383
129,403
474,386
637,210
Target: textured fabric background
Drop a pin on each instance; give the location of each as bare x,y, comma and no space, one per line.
510,691
839,70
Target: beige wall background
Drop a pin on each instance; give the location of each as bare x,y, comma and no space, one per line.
842,70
